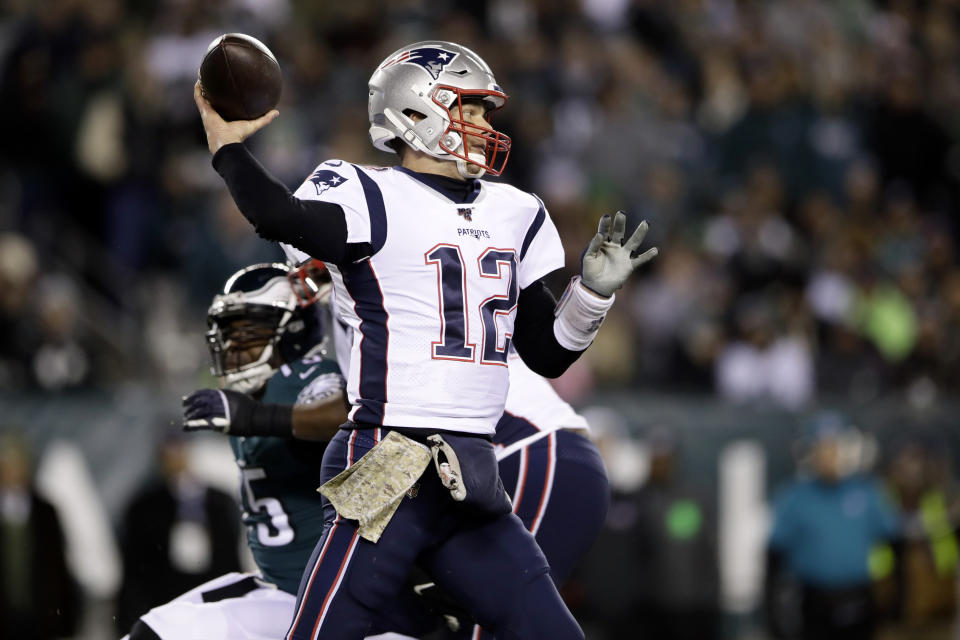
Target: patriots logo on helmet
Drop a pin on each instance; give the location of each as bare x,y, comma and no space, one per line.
324,179
431,59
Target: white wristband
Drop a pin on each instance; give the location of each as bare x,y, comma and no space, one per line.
579,315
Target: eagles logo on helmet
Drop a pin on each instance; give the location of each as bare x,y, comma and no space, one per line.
454,74
257,324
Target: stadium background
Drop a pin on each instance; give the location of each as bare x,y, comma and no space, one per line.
798,161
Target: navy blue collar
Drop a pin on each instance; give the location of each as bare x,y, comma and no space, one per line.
460,191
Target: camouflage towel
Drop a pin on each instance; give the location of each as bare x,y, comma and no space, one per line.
371,489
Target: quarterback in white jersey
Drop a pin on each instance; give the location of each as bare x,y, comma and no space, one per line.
438,273
440,317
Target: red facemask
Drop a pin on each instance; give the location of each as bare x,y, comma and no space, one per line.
496,144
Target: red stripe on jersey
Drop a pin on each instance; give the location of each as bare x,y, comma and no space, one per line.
522,479
336,582
548,483
350,441
313,574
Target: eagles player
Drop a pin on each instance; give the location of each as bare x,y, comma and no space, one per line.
278,382
437,273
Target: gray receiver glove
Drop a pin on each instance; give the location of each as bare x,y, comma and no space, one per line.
608,260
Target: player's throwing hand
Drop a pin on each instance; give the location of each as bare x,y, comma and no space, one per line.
219,131
608,260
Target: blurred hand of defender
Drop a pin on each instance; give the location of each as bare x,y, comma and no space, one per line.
217,410
219,131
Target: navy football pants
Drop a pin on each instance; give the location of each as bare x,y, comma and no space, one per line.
560,491
490,564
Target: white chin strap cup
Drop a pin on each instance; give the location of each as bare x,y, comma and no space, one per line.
470,170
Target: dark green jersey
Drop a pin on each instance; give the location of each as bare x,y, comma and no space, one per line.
279,479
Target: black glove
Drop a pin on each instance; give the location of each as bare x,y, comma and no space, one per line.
236,414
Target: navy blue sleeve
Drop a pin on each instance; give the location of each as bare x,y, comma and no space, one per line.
315,227
533,336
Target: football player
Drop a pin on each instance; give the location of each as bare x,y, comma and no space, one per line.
278,381
552,470
436,272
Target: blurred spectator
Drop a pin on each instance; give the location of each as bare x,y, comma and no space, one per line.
767,359
39,599
653,571
825,525
927,558
603,592
176,533
18,336
62,359
676,540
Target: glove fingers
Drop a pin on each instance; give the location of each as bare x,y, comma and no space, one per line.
633,243
203,409
189,408
604,227
644,257
619,228
217,424
196,425
196,407
595,243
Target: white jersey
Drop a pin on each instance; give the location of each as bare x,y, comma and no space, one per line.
432,311
235,605
530,397
549,411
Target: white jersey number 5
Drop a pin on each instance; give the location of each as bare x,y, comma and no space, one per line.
278,532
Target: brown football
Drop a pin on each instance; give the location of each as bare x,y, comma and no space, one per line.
240,77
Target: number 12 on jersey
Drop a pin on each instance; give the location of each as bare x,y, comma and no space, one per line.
498,264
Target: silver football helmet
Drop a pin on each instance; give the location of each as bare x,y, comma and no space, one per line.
433,78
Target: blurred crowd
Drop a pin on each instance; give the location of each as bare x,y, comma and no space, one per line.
797,161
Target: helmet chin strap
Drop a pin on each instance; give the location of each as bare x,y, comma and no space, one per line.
249,380
253,376
468,169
